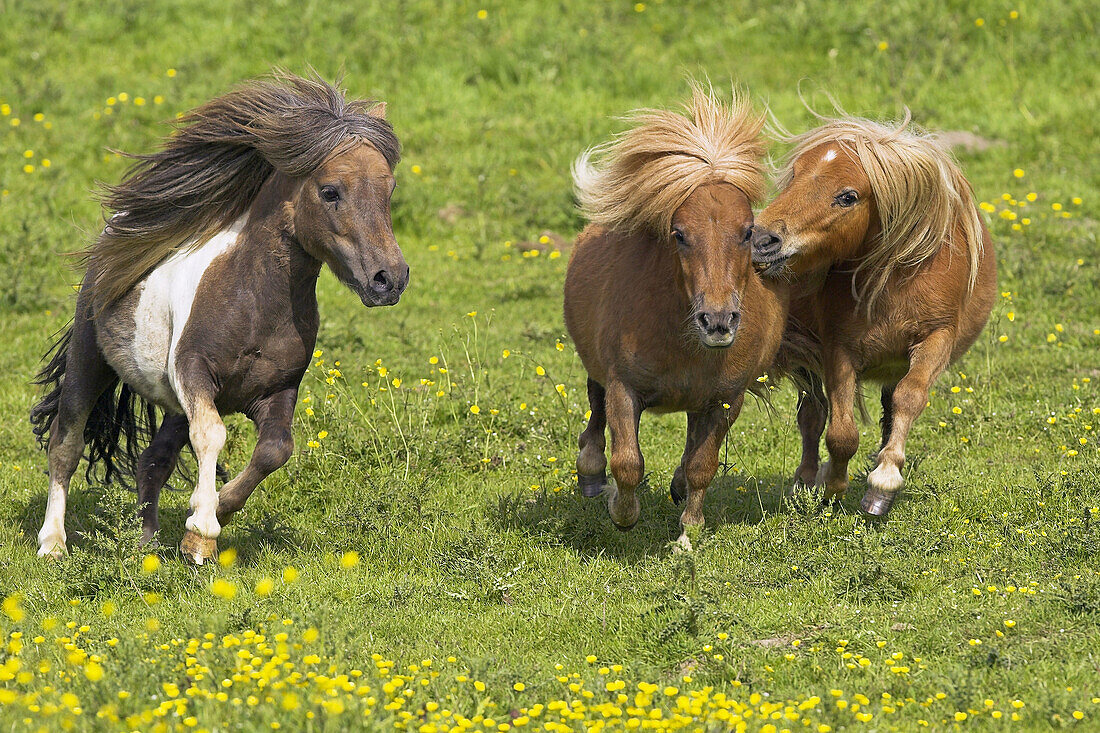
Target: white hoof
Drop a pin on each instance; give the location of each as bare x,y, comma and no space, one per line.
682,544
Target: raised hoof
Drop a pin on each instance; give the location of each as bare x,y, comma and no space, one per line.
591,486
678,495
877,503
198,549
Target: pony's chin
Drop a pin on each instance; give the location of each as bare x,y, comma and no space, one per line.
717,343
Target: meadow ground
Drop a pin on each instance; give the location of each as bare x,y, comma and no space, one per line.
423,561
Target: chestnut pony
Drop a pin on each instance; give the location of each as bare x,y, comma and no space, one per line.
661,297
895,277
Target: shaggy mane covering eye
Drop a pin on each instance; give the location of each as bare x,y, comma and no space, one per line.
638,179
211,168
921,194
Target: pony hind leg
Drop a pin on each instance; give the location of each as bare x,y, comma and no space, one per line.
624,410
274,446
706,431
812,412
156,464
908,400
86,377
591,458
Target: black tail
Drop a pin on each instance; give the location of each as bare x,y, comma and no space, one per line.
119,424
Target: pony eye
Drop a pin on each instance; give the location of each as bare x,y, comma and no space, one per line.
330,194
678,237
846,198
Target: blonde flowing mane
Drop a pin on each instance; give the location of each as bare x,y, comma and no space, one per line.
922,197
638,179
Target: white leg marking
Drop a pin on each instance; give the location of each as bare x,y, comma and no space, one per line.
886,478
207,438
51,538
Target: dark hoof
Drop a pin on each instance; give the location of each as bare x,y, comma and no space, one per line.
627,528
877,503
591,486
678,495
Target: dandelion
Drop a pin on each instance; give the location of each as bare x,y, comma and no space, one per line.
223,588
13,609
310,635
475,409
150,564
540,371
883,45
290,574
1019,172
228,557
349,559
482,14
170,73
979,22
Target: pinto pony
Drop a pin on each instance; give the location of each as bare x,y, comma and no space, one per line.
661,297
200,294
895,278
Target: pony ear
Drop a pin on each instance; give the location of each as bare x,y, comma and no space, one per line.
378,110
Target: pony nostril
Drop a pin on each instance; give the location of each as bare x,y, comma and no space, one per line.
734,319
704,321
382,282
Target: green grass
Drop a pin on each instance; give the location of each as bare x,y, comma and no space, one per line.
981,589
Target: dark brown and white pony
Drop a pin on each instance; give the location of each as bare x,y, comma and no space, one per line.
661,297
200,294
893,276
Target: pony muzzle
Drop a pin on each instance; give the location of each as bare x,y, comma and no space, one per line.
768,257
717,328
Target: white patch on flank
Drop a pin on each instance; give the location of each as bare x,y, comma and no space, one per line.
830,154
163,309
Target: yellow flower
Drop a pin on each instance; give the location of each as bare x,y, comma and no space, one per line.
93,671
349,559
519,687
310,635
505,354
150,564
264,587
957,410
540,371
322,435
1019,172
482,14
170,73
883,45
475,409
416,170
228,557
46,163
13,609
222,588
290,574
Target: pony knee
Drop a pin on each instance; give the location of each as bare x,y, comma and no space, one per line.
273,452
627,470
842,440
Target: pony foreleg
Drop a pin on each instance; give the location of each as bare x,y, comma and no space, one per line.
706,431
811,424
66,448
927,360
591,460
156,464
842,436
207,433
274,446
624,410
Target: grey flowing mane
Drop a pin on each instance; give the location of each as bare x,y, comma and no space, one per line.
208,172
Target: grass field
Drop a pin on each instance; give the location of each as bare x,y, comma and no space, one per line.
423,561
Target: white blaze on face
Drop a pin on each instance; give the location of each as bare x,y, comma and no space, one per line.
164,308
830,154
